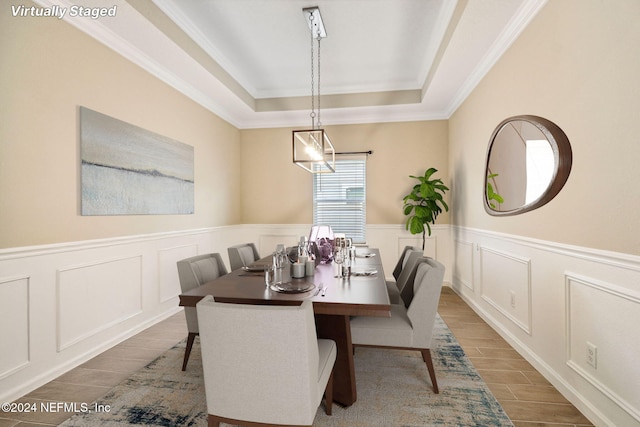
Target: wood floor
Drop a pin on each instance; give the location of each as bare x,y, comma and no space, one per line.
528,399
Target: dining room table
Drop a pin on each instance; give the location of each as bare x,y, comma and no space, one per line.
335,300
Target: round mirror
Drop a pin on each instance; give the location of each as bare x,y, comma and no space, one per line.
528,162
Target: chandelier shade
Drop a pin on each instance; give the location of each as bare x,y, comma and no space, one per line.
313,151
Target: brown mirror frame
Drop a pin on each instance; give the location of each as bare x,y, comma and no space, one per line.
563,158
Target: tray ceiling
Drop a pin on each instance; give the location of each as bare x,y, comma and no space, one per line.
249,61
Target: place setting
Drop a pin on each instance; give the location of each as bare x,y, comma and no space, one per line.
256,269
364,273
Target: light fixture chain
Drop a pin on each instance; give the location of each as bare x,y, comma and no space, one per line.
313,113
319,122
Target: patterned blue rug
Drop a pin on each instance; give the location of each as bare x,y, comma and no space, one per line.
393,390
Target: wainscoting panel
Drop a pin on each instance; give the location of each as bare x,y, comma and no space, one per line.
598,348
430,245
565,297
268,242
168,280
391,240
506,285
94,297
14,324
407,241
62,304
463,263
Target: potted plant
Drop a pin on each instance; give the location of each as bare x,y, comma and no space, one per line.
424,203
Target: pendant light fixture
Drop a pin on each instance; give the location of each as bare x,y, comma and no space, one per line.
312,148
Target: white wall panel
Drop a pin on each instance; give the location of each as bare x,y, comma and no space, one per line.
430,244
506,285
168,281
94,297
391,239
575,295
600,316
14,324
463,263
267,242
62,304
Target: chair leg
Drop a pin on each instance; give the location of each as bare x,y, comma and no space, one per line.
328,395
213,421
187,351
426,356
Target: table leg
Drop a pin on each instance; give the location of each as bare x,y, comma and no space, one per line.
337,328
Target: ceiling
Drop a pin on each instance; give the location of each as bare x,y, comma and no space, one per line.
249,61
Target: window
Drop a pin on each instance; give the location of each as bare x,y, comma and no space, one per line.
339,199
540,168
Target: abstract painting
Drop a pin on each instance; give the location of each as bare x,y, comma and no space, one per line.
127,170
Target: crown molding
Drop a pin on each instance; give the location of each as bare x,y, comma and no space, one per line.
528,10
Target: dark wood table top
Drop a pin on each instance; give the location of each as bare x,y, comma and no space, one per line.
355,296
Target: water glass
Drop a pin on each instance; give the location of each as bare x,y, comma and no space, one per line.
338,258
268,275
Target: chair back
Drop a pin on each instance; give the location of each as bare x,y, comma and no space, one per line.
408,274
199,269
424,305
242,255
260,361
195,271
402,261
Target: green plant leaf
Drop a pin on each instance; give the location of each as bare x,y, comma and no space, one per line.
429,172
416,226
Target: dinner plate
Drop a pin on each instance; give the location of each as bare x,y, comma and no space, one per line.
364,273
366,255
293,287
254,268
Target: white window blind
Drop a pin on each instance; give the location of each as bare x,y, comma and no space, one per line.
339,199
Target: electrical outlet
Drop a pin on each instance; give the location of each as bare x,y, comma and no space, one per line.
513,299
592,355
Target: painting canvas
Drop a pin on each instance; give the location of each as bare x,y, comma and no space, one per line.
127,170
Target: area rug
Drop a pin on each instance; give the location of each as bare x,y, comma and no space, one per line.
393,386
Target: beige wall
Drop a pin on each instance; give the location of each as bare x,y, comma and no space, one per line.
47,70
275,191
576,64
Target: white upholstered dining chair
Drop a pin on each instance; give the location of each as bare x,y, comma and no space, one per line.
263,364
242,255
410,326
193,272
